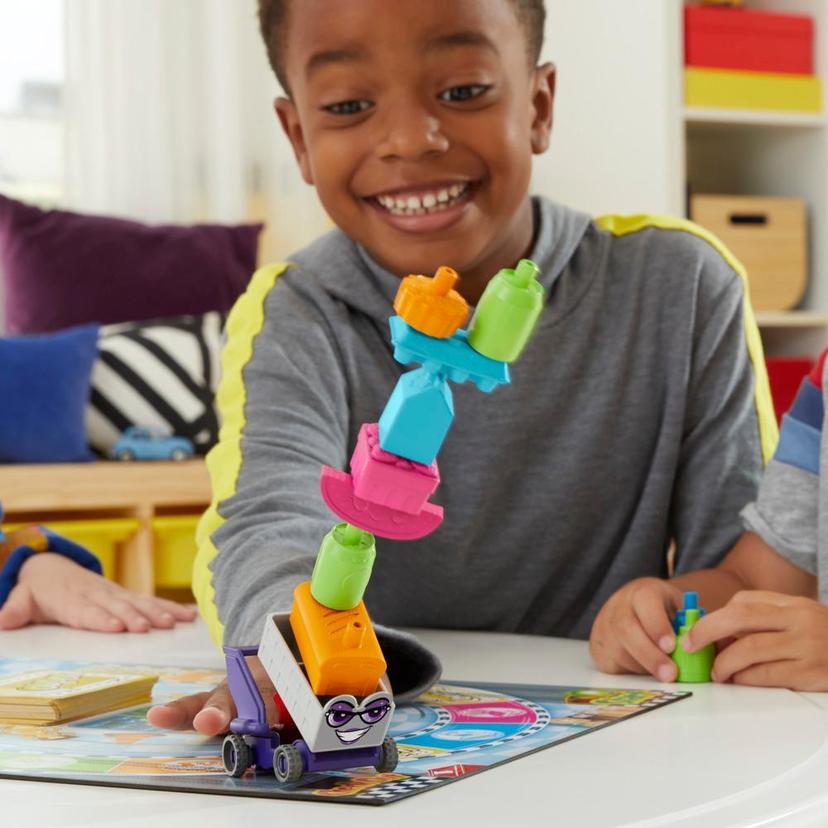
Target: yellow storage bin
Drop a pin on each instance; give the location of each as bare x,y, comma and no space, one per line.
752,90
100,536
174,548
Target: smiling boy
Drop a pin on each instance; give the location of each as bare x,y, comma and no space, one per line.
638,414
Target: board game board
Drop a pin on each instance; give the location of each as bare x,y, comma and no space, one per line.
450,732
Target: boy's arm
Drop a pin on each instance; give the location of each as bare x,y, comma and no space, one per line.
778,553
284,404
729,429
284,410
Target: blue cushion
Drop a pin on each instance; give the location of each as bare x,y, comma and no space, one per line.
44,389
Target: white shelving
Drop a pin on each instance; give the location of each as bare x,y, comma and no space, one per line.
752,117
792,320
758,153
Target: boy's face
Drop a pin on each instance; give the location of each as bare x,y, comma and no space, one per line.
416,121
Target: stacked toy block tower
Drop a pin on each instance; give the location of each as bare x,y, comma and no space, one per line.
393,469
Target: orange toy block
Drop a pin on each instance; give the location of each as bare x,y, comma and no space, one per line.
430,305
339,648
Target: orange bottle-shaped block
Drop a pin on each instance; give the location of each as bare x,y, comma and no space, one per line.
431,305
339,648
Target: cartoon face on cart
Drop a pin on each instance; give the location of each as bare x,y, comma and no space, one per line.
354,723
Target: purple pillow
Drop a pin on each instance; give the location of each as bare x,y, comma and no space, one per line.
61,269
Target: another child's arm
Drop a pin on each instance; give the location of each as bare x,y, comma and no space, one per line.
777,556
633,632
773,633
48,579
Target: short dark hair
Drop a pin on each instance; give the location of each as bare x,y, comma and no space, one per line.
272,14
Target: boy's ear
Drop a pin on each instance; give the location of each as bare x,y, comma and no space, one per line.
543,102
289,119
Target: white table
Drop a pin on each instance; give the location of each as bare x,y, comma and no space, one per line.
726,757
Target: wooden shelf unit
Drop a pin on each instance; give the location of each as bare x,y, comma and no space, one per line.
768,153
86,491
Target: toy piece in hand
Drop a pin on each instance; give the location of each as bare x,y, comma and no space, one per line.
692,667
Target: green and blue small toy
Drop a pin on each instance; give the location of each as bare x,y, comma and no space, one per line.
693,668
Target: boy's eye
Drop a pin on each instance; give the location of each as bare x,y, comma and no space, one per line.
348,107
467,92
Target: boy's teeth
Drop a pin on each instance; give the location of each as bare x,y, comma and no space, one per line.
416,205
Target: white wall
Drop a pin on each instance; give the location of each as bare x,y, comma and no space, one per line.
617,142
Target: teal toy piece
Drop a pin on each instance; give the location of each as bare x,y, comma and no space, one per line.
417,417
453,357
507,312
343,567
692,667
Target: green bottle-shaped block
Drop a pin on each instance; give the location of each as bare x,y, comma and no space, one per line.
507,312
343,567
692,667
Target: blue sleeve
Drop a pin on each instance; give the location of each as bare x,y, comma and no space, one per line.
61,546
799,439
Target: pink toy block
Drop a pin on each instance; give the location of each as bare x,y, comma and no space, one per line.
387,479
338,492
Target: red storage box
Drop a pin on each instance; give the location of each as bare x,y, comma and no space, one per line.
751,41
785,375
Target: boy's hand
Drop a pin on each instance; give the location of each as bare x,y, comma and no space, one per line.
52,589
633,632
767,639
210,713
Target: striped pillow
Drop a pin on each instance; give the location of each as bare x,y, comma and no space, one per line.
160,374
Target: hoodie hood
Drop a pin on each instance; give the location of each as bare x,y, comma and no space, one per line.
362,284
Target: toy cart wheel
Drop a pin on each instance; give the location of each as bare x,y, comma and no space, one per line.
389,756
287,763
178,454
236,755
125,454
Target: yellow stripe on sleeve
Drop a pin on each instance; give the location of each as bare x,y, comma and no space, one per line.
625,225
244,324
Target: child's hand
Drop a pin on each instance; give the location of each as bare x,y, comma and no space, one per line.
210,713
767,639
51,589
633,632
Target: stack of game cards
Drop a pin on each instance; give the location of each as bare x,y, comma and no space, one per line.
43,697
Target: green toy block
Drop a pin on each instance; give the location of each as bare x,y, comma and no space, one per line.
693,668
507,312
343,567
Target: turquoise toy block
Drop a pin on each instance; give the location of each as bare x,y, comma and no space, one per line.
453,357
417,416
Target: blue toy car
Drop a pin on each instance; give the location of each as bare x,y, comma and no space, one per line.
138,443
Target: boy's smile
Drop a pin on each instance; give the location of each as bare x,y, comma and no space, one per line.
429,207
416,121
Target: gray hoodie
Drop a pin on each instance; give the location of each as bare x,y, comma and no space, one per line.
632,420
